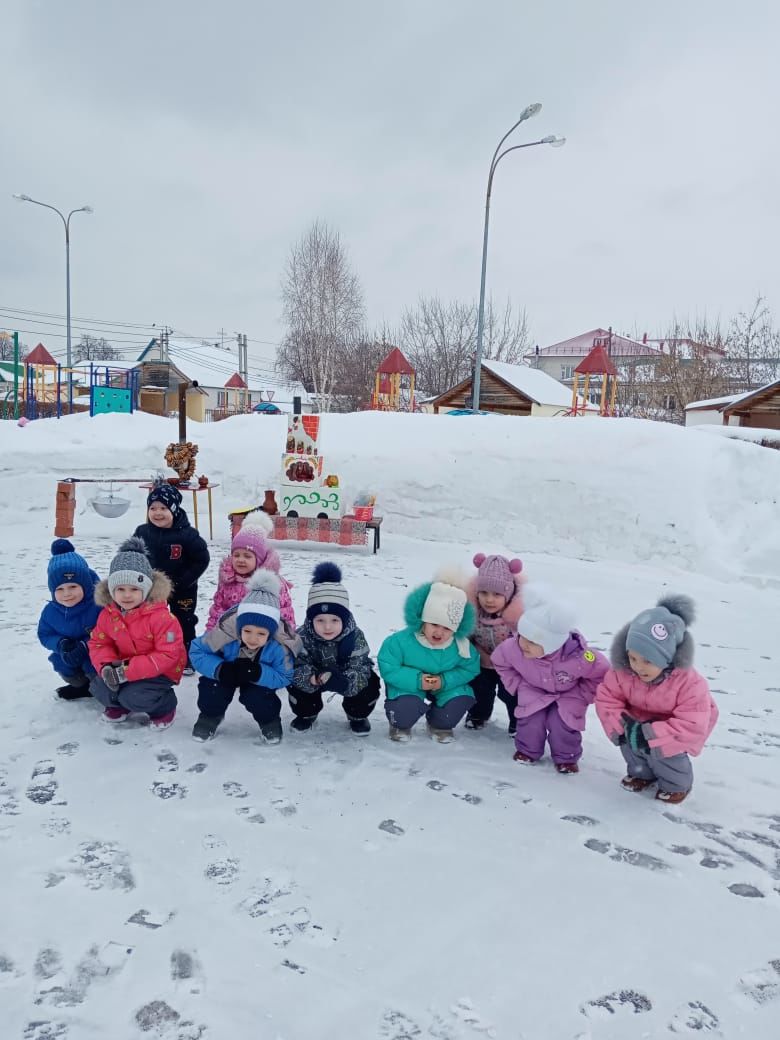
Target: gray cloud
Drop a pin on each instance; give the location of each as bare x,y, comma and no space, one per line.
208,137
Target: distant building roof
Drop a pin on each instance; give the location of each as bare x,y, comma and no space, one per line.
532,382
622,346
713,402
235,383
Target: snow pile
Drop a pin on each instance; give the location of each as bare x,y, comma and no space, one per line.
606,489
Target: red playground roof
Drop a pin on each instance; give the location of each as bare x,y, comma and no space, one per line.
39,356
396,364
236,382
597,362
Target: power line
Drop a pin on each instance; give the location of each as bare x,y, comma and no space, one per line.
93,321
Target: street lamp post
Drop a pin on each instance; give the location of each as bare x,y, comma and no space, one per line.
66,223
498,155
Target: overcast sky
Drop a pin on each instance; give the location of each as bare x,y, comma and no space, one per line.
208,136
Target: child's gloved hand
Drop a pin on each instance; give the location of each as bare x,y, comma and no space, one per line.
113,675
334,683
73,652
238,672
635,738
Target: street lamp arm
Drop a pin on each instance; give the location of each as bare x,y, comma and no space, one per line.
35,202
531,110
515,148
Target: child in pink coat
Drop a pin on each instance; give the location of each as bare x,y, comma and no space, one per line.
495,594
554,674
249,551
653,704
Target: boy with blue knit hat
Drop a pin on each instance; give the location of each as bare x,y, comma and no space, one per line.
66,622
334,658
653,704
246,651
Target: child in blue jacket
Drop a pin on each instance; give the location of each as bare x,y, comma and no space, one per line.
242,653
66,622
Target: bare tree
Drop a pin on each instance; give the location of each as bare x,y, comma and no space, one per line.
90,348
753,347
440,339
7,347
323,311
355,371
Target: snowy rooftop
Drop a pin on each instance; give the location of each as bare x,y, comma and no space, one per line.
541,388
622,346
713,402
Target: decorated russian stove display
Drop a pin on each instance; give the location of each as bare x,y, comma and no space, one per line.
303,490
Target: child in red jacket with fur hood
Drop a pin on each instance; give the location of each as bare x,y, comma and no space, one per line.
495,594
137,646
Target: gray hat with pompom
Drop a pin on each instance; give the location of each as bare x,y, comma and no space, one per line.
131,566
656,634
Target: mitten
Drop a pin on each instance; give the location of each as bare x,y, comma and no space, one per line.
635,738
337,683
75,655
65,645
113,675
252,669
229,673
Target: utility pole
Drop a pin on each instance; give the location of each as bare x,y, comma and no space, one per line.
243,364
16,375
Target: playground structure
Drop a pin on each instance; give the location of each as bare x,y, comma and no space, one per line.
393,384
38,387
597,363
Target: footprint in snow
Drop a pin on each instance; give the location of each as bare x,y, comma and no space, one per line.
284,808
43,786
583,821
45,1031
222,872
249,814
762,986
167,761
199,767
694,1017
55,826
748,891
165,791
160,1019
624,1001
391,827
186,969
715,860
149,919
234,790
102,864
622,855
262,899
68,749
97,964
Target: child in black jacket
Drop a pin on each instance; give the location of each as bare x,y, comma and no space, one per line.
176,549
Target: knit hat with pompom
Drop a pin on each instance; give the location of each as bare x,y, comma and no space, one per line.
260,606
497,574
254,537
67,567
327,595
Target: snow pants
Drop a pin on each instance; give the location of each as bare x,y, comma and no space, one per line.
673,774
403,712
153,696
214,699
547,726
486,686
183,604
308,705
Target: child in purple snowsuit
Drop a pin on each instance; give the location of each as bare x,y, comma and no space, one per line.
554,675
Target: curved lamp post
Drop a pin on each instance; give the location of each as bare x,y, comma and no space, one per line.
498,155
66,222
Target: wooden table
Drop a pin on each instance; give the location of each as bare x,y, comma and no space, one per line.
374,524
195,489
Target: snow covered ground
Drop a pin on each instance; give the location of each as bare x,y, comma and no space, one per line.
333,887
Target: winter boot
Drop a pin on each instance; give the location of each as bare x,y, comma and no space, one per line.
272,731
162,721
443,736
360,726
520,757
206,727
566,767
300,725
115,714
671,797
512,727
400,736
474,723
635,783
72,693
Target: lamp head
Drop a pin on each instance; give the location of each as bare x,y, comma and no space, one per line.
531,110
556,142
23,198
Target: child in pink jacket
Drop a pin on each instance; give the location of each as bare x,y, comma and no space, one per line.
495,593
653,704
249,551
554,674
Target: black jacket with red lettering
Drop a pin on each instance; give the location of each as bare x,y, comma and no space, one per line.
178,551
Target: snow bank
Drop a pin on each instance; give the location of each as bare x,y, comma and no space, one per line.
625,490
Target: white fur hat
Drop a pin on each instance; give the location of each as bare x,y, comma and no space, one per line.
546,623
444,605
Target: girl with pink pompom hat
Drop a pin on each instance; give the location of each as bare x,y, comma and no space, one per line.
249,551
495,592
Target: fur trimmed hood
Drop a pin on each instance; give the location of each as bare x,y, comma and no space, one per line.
160,592
413,608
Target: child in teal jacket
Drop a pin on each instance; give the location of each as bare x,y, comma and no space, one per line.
427,667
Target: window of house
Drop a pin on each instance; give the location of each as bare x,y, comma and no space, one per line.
567,371
670,404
